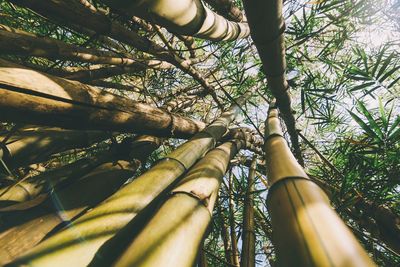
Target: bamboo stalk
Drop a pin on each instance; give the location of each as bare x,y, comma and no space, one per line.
18,42
67,248
173,235
27,228
227,9
232,228
189,17
35,224
69,104
202,257
44,142
267,26
248,240
306,230
77,16
225,237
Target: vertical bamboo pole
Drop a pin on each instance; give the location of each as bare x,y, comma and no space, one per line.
267,26
235,251
225,236
249,238
78,245
174,234
306,230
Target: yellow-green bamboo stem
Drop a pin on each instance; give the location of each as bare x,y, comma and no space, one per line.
267,26
306,230
36,144
33,225
174,234
78,245
188,17
248,256
25,229
18,42
54,101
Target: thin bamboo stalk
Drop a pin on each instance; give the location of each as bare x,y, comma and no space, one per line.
202,258
267,26
306,230
232,223
249,238
225,236
23,230
189,17
173,235
69,104
78,245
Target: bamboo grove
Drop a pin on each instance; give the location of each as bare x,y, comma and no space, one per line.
199,133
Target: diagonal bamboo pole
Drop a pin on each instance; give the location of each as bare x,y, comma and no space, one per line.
18,42
69,104
17,150
306,230
104,175
248,256
174,234
267,26
67,248
187,17
78,16
33,225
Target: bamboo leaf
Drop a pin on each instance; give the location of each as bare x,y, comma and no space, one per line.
363,125
362,86
385,65
383,115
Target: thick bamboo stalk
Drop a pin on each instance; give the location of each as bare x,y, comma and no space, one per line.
189,17
19,42
78,246
33,225
76,15
248,256
306,230
267,26
35,145
227,9
26,229
32,97
173,235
